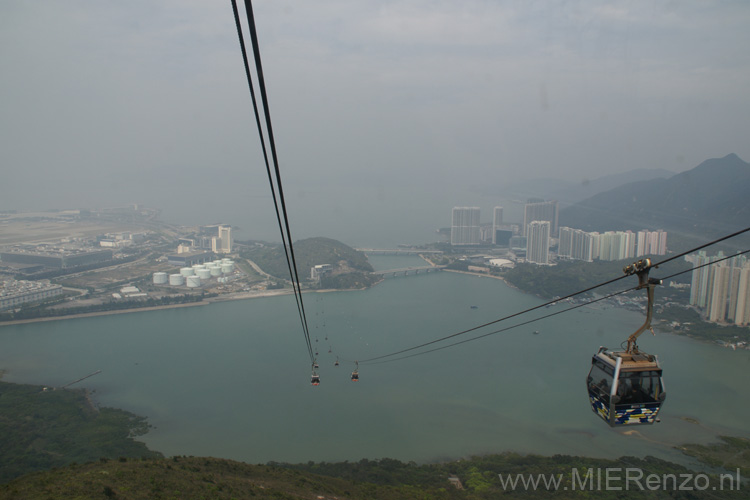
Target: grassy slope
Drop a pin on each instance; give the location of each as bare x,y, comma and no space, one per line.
195,477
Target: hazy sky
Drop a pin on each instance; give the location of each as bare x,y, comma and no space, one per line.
103,100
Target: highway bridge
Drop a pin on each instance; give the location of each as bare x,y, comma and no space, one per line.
406,271
398,251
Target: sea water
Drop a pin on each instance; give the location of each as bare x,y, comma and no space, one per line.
232,379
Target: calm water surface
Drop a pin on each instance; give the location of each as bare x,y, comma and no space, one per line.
232,379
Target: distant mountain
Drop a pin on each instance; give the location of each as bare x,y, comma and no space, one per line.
711,199
569,193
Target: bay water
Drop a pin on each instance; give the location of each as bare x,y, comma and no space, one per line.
232,379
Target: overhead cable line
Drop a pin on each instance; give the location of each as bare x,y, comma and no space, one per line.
286,236
552,314
525,311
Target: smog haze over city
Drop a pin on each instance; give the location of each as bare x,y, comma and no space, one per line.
453,171
380,109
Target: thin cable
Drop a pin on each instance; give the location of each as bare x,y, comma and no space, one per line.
272,142
506,328
554,313
704,265
701,247
297,292
525,311
497,320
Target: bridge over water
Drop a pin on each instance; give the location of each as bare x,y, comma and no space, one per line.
397,251
406,271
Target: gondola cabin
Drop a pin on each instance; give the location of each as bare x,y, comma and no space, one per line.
315,380
625,388
355,376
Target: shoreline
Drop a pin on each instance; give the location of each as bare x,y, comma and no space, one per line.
224,298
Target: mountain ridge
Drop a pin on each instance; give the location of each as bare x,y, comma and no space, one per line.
710,198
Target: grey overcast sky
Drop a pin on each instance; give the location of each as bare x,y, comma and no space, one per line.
101,97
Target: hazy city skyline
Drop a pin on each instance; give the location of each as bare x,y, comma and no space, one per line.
147,102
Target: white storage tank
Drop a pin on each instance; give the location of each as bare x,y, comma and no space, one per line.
226,260
227,268
215,270
160,278
187,271
203,274
176,279
193,281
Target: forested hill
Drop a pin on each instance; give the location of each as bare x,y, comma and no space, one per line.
314,251
711,199
310,252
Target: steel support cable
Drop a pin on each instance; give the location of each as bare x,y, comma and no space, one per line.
729,236
504,329
555,313
272,142
705,265
525,311
284,236
505,318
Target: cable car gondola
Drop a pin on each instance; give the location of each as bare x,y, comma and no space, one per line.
625,387
355,373
315,380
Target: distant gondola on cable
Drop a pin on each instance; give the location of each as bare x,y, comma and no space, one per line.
355,373
337,362
625,387
315,380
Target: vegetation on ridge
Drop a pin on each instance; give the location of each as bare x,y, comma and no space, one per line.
43,429
350,267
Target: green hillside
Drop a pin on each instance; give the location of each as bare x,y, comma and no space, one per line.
709,200
55,445
351,268
44,429
560,476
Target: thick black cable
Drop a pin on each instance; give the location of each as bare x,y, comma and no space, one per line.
704,265
297,291
272,142
506,328
701,247
556,312
505,318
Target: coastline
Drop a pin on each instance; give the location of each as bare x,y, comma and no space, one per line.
223,298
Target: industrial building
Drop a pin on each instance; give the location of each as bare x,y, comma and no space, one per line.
187,259
55,258
13,293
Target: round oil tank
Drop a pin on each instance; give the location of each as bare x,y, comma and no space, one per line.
215,270
193,281
227,268
176,279
199,266
187,271
160,278
226,260
203,274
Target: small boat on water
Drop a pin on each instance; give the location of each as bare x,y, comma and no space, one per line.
475,307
